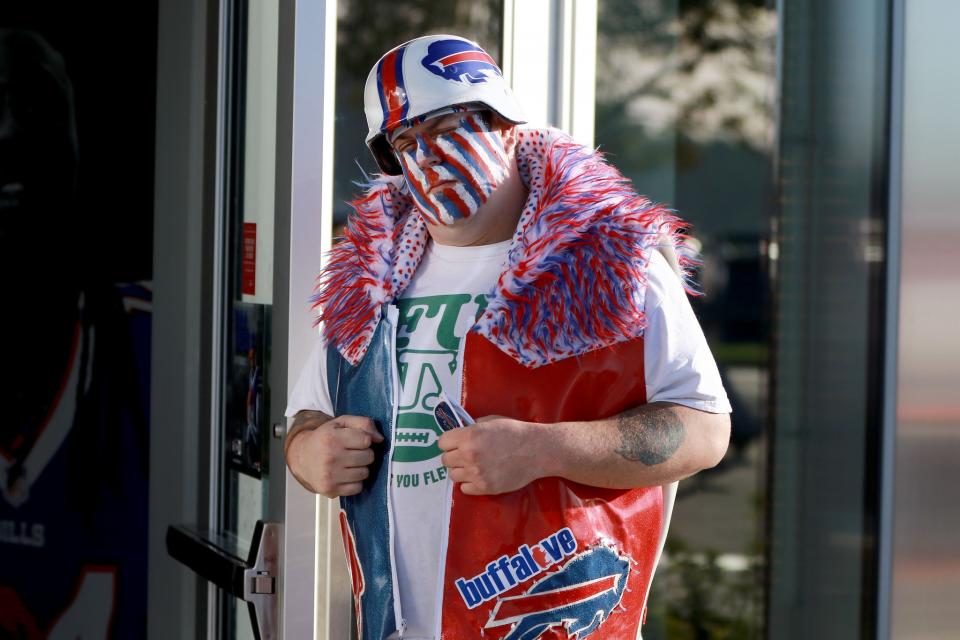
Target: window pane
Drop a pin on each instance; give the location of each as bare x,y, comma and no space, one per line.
250,151
684,109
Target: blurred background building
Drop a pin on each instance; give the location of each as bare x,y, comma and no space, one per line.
172,170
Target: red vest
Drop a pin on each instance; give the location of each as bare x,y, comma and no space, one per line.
608,523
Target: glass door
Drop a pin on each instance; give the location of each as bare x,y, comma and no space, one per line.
239,552
245,234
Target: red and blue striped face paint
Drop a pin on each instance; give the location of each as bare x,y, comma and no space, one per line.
452,171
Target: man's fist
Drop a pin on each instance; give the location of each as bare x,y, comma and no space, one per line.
331,456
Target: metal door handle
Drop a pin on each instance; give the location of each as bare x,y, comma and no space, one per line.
253,580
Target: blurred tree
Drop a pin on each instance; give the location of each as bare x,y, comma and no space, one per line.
700,68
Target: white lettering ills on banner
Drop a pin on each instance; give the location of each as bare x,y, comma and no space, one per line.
22,533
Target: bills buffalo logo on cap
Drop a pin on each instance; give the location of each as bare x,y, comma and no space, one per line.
460,61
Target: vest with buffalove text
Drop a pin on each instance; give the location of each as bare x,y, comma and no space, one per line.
561,339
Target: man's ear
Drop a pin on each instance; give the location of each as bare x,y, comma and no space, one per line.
497,123
508,131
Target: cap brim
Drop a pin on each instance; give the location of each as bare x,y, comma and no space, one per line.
384,155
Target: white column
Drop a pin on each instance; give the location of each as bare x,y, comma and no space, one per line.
579,70
316,589
549,58
528,65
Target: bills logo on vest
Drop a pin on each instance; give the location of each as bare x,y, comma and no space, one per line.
578,597
459,61
570,598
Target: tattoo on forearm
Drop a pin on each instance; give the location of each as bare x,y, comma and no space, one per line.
649,434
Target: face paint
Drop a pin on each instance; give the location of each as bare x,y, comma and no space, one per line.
452,173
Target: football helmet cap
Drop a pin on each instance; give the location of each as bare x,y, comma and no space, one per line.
418,78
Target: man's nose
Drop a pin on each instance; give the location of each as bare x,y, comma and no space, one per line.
425,155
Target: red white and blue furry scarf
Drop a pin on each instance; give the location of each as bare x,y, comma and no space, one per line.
575,278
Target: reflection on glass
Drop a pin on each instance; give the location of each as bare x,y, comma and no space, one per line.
363,36
827,327
926,557
684,109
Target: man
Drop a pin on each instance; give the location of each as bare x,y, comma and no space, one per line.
515,272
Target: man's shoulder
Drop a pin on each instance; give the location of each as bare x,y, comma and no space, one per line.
663,280
361,273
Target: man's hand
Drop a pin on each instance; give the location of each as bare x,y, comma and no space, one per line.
495,455
653,444
331,456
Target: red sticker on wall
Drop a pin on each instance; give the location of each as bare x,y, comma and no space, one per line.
249,276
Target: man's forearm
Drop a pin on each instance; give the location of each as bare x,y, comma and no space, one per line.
649,445
305,420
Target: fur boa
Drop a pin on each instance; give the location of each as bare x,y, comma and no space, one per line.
575,275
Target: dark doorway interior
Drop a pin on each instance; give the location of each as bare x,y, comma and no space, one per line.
77,120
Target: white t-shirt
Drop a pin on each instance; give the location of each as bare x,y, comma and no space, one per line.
436,311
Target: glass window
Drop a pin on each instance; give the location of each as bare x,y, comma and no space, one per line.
684,108
828,318
247,295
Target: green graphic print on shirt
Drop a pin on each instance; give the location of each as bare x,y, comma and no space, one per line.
429,334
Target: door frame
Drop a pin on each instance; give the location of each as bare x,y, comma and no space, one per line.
316,587
188,252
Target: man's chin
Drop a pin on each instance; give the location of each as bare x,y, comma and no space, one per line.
446,219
